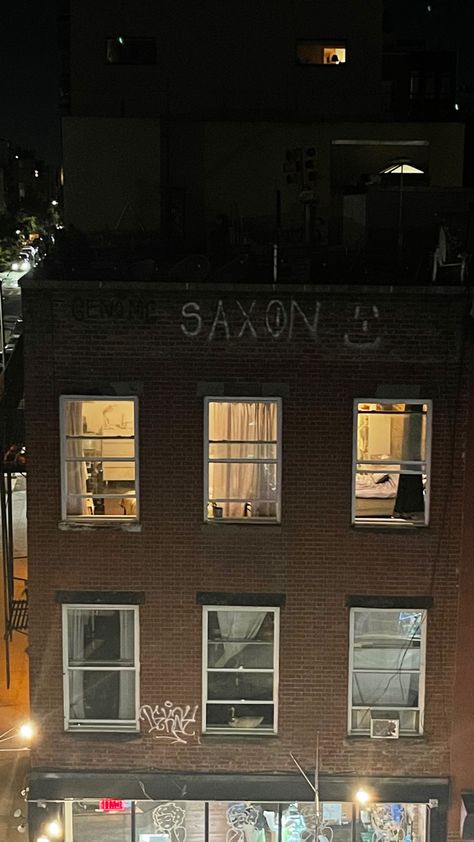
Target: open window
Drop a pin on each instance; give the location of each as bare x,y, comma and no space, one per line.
99,458
100,651
240,669
242,459
386,669
391,480
328,53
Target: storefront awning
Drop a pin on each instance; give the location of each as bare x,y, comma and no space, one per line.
189,786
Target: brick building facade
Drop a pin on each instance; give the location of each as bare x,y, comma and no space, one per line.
308,550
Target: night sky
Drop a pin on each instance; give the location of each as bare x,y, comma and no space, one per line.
29,115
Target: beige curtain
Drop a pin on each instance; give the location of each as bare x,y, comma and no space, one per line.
76,475
238,427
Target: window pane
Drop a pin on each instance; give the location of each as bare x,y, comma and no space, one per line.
242,717
372,624
105,637
240,686
388,656
90,824
100,417
320,52
235,655
99,447
240,627
242,421
392,432
242,451
242,481
393,690
101,695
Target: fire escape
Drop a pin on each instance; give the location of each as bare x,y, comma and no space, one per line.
15,588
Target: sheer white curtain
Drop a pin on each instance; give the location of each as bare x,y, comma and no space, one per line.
77,621
240,625
126,708
76,475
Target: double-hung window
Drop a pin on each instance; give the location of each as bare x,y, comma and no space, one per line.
240,665
391,462
387,668
242,459
99,458
100,652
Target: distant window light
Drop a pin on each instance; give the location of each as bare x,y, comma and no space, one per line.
123,50
321,52
36,173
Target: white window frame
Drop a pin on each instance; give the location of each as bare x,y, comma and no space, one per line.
387,520
278,461
103,724
421,673
275,670
90,518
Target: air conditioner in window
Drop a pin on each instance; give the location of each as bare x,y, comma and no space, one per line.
384,726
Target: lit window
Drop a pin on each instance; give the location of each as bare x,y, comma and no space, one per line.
386,674
99,458
100,647
321,52
392,462
123,50
240,679
243,453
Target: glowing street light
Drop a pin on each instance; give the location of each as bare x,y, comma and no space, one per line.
54,829
24,731
362,796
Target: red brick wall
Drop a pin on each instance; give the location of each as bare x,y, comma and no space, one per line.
315,557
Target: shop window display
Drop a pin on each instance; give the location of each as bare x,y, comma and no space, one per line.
245,821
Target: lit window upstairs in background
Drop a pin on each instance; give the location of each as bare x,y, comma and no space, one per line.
99,458
330,53
391,470
123,50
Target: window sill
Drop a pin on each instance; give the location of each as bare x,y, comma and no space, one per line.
227,529
355,738
96,734
384,525
89,525
227,737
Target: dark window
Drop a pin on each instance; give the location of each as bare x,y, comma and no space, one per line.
122,50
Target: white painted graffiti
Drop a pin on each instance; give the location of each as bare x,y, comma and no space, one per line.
169,820
363,333
241,818
169,721
277,319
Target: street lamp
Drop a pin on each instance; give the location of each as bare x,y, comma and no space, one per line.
401,167
24,731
